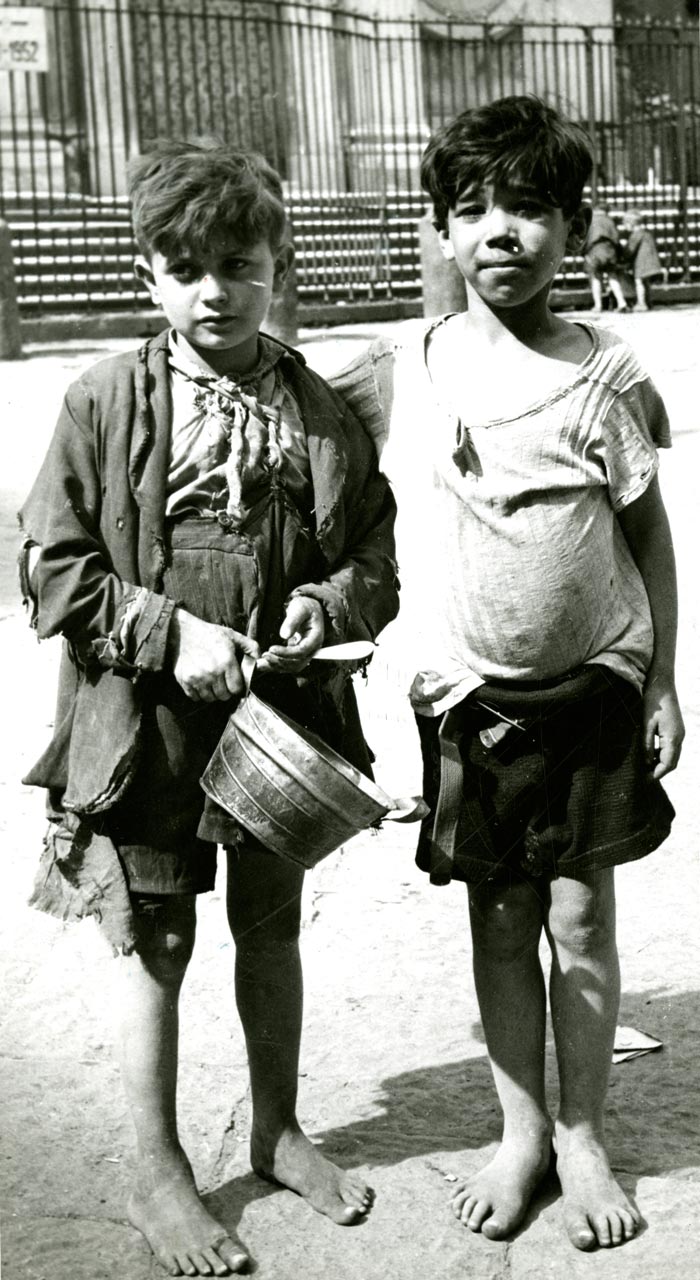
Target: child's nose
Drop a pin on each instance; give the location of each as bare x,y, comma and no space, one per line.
213,286
499,225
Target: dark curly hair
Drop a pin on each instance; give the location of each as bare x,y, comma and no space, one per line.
516,139
183,193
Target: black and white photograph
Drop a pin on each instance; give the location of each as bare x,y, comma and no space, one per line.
349,621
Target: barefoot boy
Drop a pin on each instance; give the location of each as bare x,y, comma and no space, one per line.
204,497
539,596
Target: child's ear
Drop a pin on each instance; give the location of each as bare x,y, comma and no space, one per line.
283,262
578,228
144,272
446,246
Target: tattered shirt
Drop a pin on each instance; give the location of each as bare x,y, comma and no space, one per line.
513,564
97,511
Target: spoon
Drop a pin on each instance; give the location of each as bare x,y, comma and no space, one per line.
350,651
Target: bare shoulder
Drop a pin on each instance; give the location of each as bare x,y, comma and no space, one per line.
572,343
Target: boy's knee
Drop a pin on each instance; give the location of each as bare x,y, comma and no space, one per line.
505,924
165,930
581,917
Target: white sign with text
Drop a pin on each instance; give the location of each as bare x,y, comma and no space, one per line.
23,40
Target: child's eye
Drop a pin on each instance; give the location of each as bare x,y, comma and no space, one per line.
528,206
471,211
185,272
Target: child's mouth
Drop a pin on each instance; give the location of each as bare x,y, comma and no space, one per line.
217,322
509,265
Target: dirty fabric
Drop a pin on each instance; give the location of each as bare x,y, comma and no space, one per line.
80,875
513,563
164,828
552,782
225,435
98,512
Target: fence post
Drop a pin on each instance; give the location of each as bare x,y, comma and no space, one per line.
590,104
443,286
681,147
10,333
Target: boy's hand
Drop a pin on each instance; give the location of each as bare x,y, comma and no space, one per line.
664,730
303,630
205,657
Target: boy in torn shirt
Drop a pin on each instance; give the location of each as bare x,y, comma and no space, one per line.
205,497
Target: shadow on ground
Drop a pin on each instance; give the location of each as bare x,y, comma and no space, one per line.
435,1114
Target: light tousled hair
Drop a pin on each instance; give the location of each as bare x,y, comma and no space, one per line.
185,193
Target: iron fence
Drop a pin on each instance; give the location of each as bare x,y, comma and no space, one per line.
340,103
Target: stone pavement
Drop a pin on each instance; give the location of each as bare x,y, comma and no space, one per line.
394,1075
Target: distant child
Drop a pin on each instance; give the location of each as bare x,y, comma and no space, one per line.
204,497
602,259
539,607
642,252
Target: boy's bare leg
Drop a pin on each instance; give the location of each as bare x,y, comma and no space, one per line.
264,903
164,1205
585,996
506,928
617,293
642,292
597,291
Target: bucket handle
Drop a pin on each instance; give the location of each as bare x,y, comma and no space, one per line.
401,809
407,809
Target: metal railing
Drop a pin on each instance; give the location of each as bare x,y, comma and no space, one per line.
341,104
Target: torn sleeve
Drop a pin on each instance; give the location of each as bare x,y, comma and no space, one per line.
635,427
69,584
138,640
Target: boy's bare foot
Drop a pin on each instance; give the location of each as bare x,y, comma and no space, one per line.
596,1210
297,1164
495,1200
185,1239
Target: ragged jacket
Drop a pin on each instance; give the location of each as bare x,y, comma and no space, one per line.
97,510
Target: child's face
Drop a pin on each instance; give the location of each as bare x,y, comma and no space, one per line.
508,242
217,300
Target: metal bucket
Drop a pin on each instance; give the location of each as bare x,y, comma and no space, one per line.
293,792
